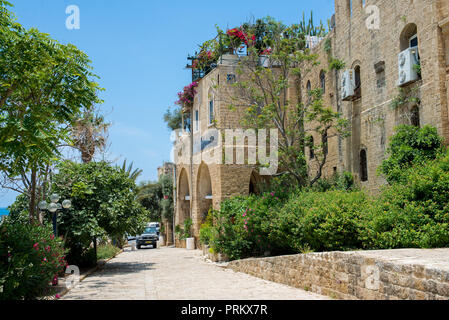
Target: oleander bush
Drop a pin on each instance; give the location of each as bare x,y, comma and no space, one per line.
30,259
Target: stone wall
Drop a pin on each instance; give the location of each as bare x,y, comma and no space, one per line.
366,275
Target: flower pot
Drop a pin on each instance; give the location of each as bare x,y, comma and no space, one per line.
182,244
161,242
264,61
190,243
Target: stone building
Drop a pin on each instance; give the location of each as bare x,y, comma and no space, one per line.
165,170
396,56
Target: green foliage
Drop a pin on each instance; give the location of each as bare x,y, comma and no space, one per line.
107,251
319,221
157,198
417,68
240,228
132,174
44,87
404,98
309,28
339,181
188,223
414,213
103,204
336,64
30,258
18,211
409,146
173,118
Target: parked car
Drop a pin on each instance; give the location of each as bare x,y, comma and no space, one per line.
148,237
155,225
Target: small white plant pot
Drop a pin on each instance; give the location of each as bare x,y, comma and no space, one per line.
161,241
190,243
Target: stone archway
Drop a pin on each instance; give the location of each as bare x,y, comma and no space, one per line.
255,183
183,198
204,193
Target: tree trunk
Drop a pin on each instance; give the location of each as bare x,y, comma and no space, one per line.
32,207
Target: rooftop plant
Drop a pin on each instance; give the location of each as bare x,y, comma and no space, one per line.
187,96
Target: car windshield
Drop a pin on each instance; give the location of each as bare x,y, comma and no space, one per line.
150,230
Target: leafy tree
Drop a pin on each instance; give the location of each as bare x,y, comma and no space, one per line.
173,118
158,198
43,87
150,196
103,204
410,146
263,94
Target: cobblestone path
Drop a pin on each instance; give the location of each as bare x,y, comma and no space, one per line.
177,274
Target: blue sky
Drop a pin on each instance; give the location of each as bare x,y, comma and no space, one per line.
139,50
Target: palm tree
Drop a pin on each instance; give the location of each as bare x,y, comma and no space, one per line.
133,174
89,134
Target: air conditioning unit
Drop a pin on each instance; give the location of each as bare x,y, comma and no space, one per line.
407,59
348,85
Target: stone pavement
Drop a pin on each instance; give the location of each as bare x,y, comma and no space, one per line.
177,274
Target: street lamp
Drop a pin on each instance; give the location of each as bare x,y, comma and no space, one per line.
54,207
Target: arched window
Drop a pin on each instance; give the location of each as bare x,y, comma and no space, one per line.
414,117
363,166
309,91
358,82
325,144
312,148
323,81
409,37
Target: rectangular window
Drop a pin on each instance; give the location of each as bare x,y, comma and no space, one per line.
414,41
197,120
211,112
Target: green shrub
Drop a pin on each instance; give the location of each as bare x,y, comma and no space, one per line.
414,214
241,226
319,221
410,145
339,181
106,251
30,258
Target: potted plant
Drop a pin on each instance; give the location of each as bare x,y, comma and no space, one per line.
190,241
162,236
180,237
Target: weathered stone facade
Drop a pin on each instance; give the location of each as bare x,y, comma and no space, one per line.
202,182
408,274
372,54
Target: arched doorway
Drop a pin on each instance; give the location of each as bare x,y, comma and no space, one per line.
204,192
183,198
255,183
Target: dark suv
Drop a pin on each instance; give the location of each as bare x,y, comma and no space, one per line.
148,238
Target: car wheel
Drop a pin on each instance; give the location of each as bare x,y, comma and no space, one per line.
154,245
139,247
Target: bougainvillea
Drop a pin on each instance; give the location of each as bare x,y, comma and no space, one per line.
187,96
238,33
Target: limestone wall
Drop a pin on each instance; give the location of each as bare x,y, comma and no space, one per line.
367,275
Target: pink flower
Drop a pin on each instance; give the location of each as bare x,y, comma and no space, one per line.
45,259
57,296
